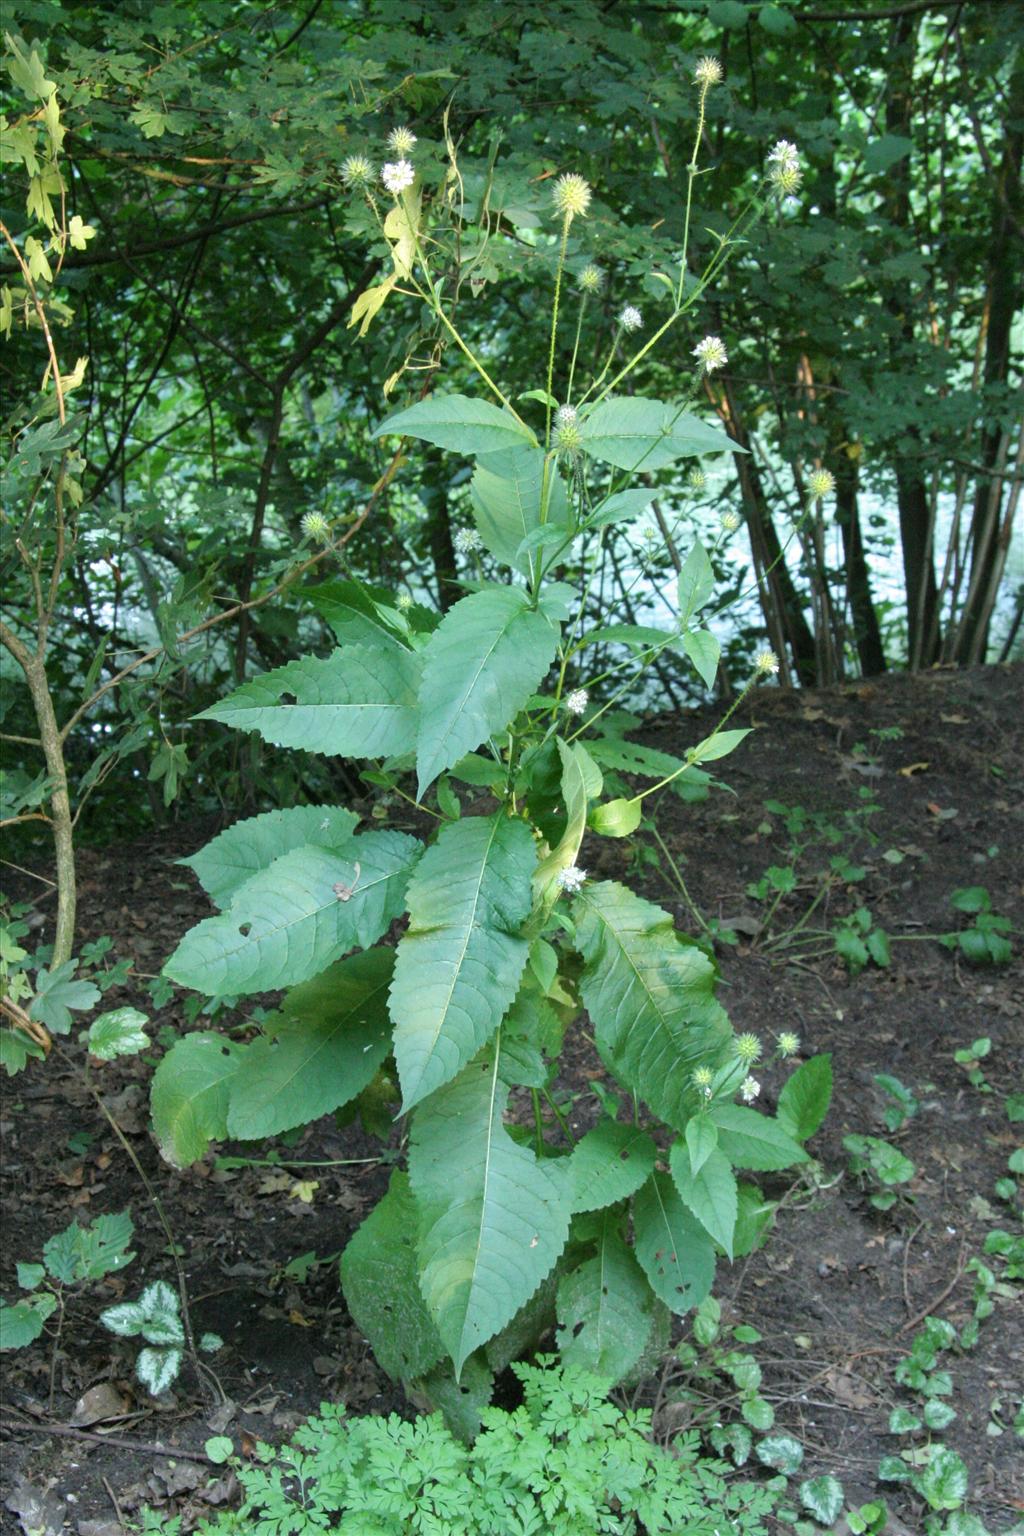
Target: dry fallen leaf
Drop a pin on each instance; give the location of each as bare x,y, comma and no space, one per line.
99,1404
912,768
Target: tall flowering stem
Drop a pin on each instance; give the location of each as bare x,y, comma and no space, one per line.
566,221
708,73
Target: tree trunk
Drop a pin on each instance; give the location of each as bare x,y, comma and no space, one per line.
867,635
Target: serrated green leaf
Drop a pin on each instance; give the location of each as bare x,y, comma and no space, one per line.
22,1323
620,508
189,1096
489,1236
461,959
463,1400
581,782
459,423
380,1279
675,1252
359,615
650,996
805,1097
604,1309
30,1275
705,652
118,1033
297,916
633,433
709,1194
325,1046
944,1481
91,1251
752,1140
506,490
57,993
701,1141
243,850
485,659
357,702
695,584
649,763
608,1164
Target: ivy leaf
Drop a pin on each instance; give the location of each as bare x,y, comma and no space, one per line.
753,1140
249,846
325,1046
292,919
489,1236
57,993
506,490
380,1279
674,1251
459,423
710,1194
604,1309
650,996
608,1164
483,662
189,1096
633,433
356,702
461,959
805,1097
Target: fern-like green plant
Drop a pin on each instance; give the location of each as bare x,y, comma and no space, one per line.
566,1463
486,722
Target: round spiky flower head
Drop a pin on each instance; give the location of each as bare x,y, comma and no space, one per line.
748,1048
702,1078
571,195
711,353
591,279
403,602
821,483
401,142
571,879
729,521
696,479
630,318
397,175
766,662
356,171
576,701
749,1089
316,527
784,170
789,1043
467,541
566,416
708,72
568,439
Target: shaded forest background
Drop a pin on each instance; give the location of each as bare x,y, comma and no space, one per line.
870,326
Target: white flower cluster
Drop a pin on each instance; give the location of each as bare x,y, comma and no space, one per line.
566,416
576,701
711,353
630,318
571,878
766,662
708,72
397,175
316,527
467,541
749,1089
784,170
571,195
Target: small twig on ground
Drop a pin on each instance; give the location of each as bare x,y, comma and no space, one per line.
940,1298
906,1256
122,1443
112,1496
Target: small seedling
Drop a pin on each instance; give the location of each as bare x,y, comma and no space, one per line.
156,1319
970,1059
75,1256
881,1166
903,1106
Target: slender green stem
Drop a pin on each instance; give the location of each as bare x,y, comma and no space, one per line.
575,347
554,326
680,882
691,172
691,763
538,1123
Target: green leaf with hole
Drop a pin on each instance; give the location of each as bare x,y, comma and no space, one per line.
190,1095
605,1308
674,1251
237,854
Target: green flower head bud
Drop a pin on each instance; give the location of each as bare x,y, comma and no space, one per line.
356,171
571,194
701,1078
697,479
766,662
821,483
789,1043
316,527
748,1048
591,279
708,72
568,439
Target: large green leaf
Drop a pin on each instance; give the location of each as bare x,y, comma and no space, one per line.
235,855
675,1253
380,1279
633,433
493,1219
460,961
650,996
294,918
482,663
189,1096
753,1140
608,1164
604,1309
805,1097
357,702
710,1193
460,423
358,614
581,783
320,1051
506,490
